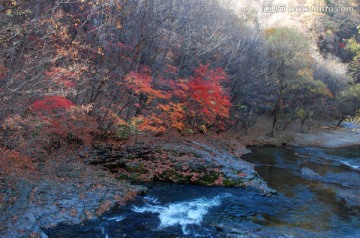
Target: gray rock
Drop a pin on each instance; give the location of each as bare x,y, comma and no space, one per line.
45,203
184,158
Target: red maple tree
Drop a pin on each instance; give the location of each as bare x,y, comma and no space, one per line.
51,103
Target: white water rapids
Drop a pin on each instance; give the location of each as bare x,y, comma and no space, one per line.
182,213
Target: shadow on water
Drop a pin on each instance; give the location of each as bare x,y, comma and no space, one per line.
318,196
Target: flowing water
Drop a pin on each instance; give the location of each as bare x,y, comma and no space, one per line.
318,196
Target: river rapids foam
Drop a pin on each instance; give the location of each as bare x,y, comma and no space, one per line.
182,213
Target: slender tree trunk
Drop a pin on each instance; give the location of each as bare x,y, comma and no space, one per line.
275,117
303,123
341,120
276,111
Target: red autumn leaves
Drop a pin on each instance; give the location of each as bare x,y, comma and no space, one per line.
198,101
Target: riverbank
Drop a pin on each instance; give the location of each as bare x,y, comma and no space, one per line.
68,188
63,189
317,197
325,135
328,137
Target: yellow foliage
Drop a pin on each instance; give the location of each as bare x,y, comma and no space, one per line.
312,85
203,128
356,118
301,113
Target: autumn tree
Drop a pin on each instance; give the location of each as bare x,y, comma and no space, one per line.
248,71
353,46
197,102
207,101
286,49
348,102
48,60
153,64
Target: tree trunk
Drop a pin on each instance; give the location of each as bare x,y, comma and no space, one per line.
341,120
275,113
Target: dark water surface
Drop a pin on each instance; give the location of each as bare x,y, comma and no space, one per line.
318,196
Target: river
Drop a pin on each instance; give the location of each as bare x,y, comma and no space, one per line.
318,196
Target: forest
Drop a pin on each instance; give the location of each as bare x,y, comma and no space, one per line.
77,70
78,74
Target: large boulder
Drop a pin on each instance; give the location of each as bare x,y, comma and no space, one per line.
180,161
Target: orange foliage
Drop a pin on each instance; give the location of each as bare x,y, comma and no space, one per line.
14,163
201,98
74,124
56,119
151,123
174,114
142,83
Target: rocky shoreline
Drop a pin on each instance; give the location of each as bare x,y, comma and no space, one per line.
77,190
72,194
64,191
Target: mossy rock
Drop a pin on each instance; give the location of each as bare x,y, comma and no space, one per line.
173,176
121,163
128,176
208,179
228,182
136,168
